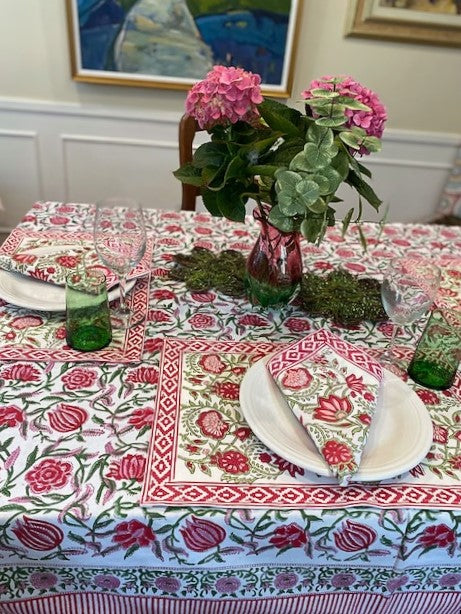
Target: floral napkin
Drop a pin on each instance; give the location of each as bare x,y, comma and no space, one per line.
50,257
331,386
53,266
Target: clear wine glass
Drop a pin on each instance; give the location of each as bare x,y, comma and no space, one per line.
408,290
120,242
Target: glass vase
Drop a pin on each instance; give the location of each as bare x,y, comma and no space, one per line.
274,266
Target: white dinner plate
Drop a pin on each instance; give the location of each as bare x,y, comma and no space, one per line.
400,434
31,293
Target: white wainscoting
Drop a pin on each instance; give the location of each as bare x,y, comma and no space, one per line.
69,153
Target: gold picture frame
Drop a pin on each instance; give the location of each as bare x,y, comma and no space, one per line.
377,19
89,49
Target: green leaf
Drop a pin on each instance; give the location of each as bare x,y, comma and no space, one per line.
362,237
257,147
317,91
330,180
287,181
321,135
331,122
32,457
276,116
341,163
319,206
280,221
363,169
352,103
210,200
311,228
364,189
131,550
290,205
352,140
189,174
230,201
308,190
372,143
347,221
210,154
316,157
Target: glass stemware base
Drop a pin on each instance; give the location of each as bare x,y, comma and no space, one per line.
123,317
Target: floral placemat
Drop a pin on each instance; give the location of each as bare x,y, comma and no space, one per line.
38,335
202,451
49,256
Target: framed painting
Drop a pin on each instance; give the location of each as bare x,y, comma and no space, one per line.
172,44
435,22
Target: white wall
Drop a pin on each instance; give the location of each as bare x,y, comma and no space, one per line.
75,141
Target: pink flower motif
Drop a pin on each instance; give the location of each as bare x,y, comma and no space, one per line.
22,322
289,536
231,461
296,379
130,467
336,453
226,95
142,417
332,409
143,375
66,418
48,475
252,320
371,121
68,262
437,535
211,424
355,383
59,220
354,536
428,397
286,580
297,325
132,533
167,584
200,534
11,415
227,390
106,581
203,297
440,434
24,373
38,534
212,363
395,583
202,321
343,580
43,579
79,378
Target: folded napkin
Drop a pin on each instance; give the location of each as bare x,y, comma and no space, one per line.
332,387
54,264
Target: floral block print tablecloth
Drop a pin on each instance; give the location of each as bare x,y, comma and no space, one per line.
27,334
73,452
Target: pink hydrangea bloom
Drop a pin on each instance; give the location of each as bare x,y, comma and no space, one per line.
226,95
371,121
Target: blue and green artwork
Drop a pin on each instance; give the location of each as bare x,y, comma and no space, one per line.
183,39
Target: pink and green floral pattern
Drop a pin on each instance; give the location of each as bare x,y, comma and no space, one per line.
332,388
74,444
51,257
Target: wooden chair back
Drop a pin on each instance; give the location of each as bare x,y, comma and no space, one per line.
188,126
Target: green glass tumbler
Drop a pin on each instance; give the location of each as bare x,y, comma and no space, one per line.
87,311
438,353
